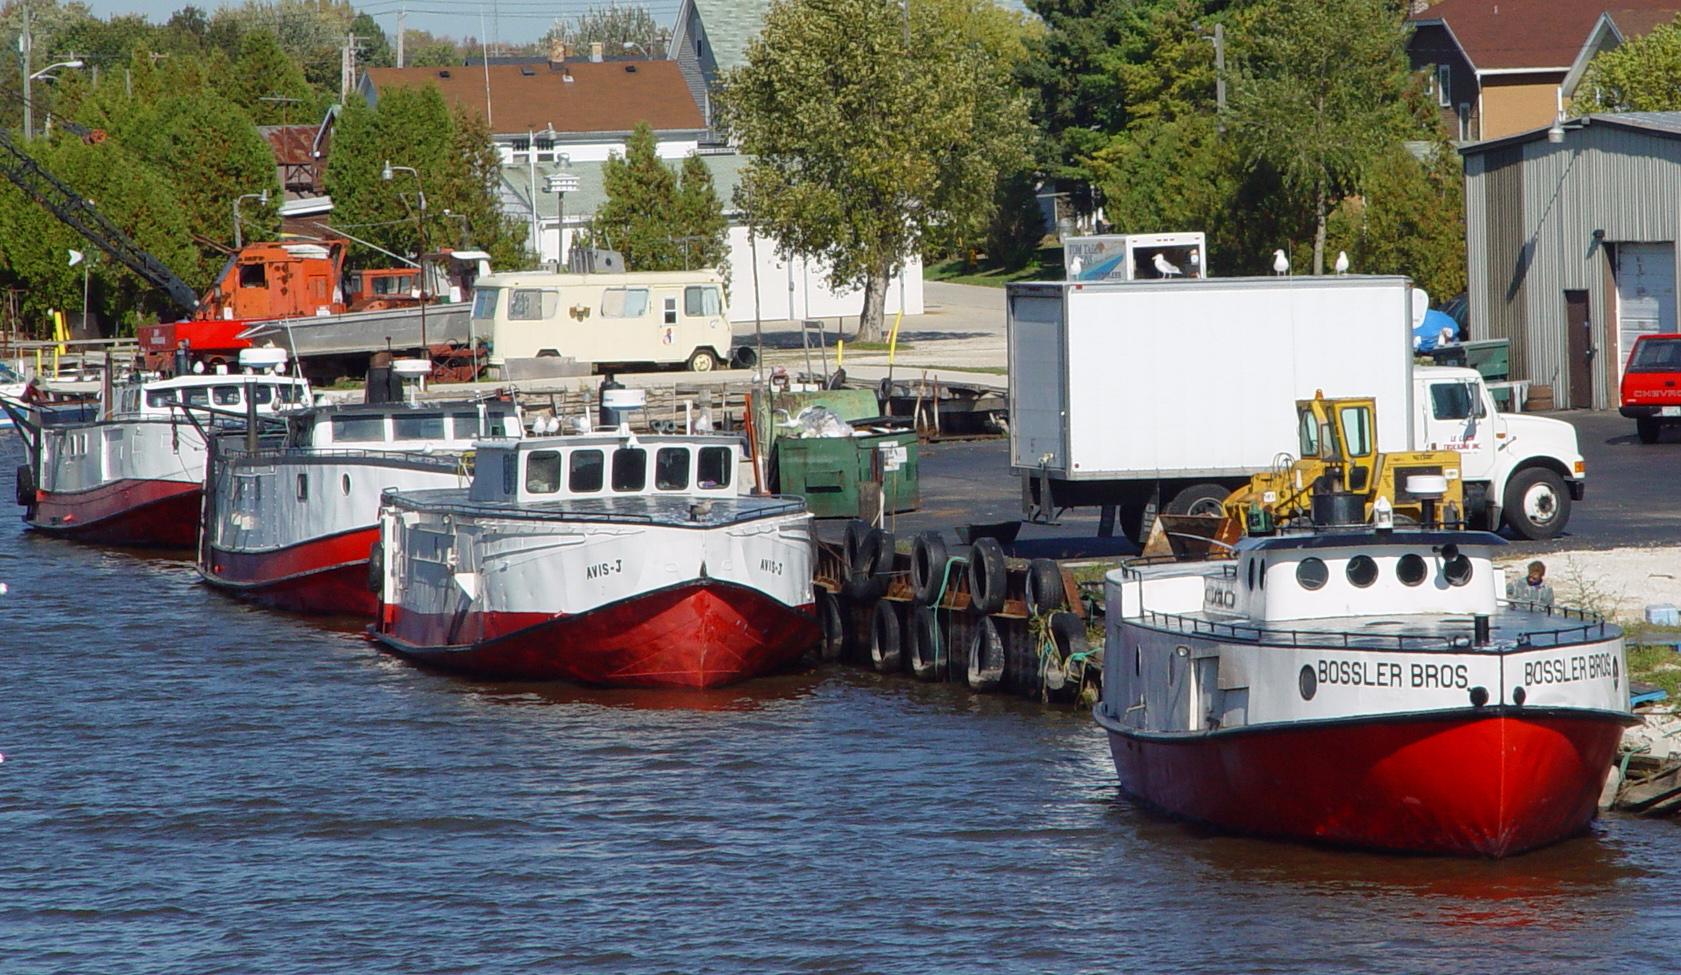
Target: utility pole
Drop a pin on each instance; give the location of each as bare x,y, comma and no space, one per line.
25,43
402,14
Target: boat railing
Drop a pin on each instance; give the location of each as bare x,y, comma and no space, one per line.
265,454
1316,639
636,509
1130,568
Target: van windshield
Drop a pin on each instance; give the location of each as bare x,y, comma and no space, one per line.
484,302
1656,355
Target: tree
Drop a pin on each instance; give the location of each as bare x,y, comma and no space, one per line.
857,150
375,49
1638,76
1409,219
613,26
1320,96
700,220
265,71
637,219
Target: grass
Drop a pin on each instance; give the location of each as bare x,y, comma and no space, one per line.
1047,266
856,346
1659,665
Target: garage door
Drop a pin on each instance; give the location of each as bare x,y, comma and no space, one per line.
1645,294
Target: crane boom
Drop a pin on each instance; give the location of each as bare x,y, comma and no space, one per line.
78,214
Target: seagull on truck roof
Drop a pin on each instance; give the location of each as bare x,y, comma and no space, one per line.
1342,262
1166,268
1280,263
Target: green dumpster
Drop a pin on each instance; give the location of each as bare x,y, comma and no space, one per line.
843,477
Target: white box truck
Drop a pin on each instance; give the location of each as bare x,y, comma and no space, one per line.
1140,396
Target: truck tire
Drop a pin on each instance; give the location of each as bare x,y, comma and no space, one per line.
1647,428
1537,504
1199,499
703,360
884,638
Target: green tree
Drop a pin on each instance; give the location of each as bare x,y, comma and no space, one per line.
1637,76
700,221
859,152
639,217
1320,96
375,49
1409,219
613,26
432,54
265,71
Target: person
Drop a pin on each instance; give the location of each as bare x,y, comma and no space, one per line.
1533,588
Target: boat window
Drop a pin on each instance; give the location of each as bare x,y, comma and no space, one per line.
532,304
624,302
510,473
465,426
1250,583
227,396
542,472
1357,430
1457,570
303,487
1362,571
344,484
419,426
290,392
630,469
1311,573
702,302
585,472
714,468
484,302
358,429
160,397
1453,401
671,311
1411,569
262,394
671,469
196,396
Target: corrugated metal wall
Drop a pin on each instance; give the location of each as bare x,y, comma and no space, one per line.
1531,213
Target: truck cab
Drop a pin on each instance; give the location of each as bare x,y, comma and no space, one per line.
1651,392
1523,470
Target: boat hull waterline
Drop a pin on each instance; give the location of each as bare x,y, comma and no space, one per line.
322,575
127,513
1474,783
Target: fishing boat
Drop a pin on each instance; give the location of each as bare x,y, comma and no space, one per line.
1367,687
606,559
133,472
289,521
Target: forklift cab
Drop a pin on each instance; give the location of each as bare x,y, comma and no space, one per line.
1340,432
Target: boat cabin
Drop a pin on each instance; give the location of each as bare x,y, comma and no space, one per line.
605,465
216,393
444,426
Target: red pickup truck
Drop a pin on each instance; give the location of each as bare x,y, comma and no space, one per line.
1652,385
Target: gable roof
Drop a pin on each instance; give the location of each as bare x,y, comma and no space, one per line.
601,96
730,25
1515,35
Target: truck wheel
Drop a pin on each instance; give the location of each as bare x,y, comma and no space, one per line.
1537,504
704,360
1199,499
1647,428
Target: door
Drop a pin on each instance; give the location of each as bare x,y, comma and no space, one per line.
1645,294
1456,417
1579,342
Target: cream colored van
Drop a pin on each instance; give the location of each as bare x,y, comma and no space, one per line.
661,317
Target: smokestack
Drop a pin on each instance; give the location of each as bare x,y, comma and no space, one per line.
595,51
557,51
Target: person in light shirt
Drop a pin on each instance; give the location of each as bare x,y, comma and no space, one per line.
1533,588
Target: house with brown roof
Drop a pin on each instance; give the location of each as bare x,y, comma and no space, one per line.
1499,67
581,109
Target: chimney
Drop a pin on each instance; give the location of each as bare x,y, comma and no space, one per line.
595,51
557,51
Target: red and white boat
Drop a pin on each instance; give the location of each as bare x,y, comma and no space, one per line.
133,474
603,559
1367,688
289,522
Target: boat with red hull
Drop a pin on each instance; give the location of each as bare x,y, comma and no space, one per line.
1367,689
132,472
601,559
289,521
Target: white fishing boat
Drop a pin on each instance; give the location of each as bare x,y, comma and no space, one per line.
1365,687
604,559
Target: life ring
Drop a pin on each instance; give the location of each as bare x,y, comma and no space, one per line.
986,576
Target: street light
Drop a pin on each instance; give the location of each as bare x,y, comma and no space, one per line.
262,201
561,184
28,76
387,174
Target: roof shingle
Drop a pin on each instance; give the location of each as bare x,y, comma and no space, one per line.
602,96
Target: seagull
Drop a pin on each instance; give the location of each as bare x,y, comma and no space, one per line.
1280,263
1342,262
1166,268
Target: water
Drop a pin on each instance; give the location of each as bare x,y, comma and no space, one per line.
191,785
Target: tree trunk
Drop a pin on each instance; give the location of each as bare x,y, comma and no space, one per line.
1319,226
875,306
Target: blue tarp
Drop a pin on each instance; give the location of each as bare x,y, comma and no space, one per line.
1428,334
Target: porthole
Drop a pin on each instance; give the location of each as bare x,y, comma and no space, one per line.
344,484
1362,571
1251,582
1457,570
1411,569
1311,573
1263,575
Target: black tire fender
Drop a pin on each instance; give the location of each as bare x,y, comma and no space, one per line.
884,638
1045,593
26,485
831,622
376,567
986,656
1068,637
986,576
928,566
922,639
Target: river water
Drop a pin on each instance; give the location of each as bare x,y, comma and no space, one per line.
191,785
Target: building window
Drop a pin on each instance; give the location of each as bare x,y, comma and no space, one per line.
1464,121
1444,79
545,150
521,145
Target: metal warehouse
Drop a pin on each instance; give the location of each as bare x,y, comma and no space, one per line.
1570,239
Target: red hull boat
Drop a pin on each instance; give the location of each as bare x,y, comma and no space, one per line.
323,575
137,514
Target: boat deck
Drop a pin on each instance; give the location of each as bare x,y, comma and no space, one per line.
679,510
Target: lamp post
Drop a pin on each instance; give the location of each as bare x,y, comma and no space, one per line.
45,74
387,174
561,184
262,200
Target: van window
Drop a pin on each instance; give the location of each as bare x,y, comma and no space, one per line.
702,302
714,469
1452,401
358,429
227,396
624,302
671,469
420,426
584,476
532,304
542,472
630,469
484,302
671,311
